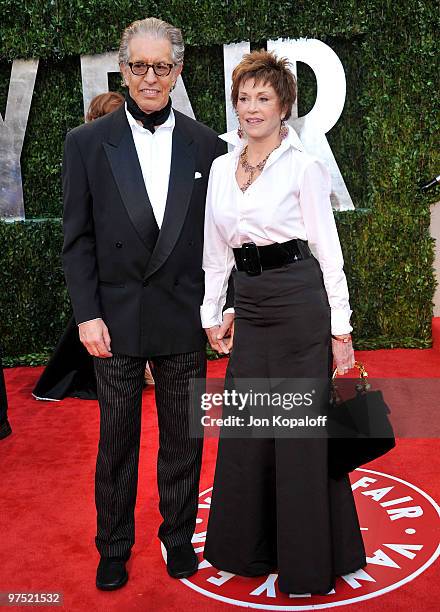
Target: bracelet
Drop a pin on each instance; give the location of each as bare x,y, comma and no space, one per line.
345,340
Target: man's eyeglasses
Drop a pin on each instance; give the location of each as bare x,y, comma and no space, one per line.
159,69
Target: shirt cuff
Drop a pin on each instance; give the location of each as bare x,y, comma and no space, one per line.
97,319
229,311
209,315
340,322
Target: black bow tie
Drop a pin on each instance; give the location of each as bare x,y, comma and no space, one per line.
149,120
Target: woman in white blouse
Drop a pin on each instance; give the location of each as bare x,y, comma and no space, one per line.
269,221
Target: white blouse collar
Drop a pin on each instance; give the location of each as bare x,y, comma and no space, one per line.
239,143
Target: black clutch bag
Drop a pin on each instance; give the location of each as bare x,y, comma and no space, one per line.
359,427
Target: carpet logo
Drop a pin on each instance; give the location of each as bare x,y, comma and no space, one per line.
399,525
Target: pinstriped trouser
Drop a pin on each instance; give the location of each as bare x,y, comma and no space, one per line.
119,385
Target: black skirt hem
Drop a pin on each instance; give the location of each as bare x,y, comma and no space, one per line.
270,569
353,567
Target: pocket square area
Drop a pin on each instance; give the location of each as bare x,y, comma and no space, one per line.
197,175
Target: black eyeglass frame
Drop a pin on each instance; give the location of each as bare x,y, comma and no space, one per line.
148,66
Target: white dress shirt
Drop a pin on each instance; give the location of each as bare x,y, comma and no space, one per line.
289,199
154,153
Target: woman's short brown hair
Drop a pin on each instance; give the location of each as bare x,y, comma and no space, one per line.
104,103
265,67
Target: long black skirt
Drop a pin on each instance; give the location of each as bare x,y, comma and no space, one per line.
274,507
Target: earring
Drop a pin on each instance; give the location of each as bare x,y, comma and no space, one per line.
284,130
240,132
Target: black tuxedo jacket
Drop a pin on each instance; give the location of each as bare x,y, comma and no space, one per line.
147,287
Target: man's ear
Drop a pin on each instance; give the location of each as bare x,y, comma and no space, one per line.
178,69
123,68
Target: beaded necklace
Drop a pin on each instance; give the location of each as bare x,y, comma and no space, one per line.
251,170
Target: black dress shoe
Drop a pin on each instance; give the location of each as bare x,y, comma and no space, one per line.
111,573
182,561
5,429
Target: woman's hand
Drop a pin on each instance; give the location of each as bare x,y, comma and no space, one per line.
343,353
221,337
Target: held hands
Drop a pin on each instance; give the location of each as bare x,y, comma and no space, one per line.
221,337
343,353
95,337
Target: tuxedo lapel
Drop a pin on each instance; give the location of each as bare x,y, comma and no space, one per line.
124,163
179,194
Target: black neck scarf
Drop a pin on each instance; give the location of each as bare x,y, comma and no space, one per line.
149,120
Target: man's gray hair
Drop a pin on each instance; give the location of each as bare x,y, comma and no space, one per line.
156,28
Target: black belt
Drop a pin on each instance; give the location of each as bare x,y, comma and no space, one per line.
253,259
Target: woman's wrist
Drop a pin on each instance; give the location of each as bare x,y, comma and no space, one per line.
342,337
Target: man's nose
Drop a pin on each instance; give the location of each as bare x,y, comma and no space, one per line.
150,75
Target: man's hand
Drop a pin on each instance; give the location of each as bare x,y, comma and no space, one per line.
95,337
221,337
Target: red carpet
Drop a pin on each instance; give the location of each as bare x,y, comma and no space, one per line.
48,516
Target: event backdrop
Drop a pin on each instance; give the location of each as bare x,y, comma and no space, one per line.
383,142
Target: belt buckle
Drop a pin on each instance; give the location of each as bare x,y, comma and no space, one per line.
251,259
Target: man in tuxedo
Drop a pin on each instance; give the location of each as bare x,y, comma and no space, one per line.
134,196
